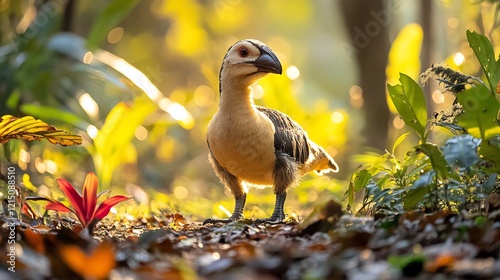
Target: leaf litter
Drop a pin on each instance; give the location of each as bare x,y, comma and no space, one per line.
326,245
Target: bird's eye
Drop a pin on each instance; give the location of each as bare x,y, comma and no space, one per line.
243,52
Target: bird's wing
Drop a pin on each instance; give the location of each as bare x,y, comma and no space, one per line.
289,137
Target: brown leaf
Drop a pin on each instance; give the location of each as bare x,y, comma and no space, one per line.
492,202
322,218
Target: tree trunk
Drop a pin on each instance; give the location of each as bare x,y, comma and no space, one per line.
366,23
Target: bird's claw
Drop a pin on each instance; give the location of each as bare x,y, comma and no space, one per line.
233,218
272,220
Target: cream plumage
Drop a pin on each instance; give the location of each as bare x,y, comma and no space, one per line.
255,145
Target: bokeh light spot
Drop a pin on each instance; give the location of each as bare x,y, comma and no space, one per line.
458,58
141,133
88,57
180,192
51,166
204,96
89,105
115,35
437,96
453,22
92,131
398,122
292,72
337,117
356,96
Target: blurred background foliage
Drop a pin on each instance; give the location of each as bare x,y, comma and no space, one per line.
138,80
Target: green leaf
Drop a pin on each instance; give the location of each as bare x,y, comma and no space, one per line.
381,196
490,152
485,54
419,190
461,150
409,100
54,114
490,183
480,112
438,162
403,261
359,180
108,19
400,140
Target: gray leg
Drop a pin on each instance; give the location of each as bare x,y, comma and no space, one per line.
237,213
285,175
234,185
278,214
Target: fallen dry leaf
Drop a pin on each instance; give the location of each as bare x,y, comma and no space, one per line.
97,264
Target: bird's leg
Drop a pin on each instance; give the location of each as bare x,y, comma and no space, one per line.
285,174
232,184
278,214
237,213
239,204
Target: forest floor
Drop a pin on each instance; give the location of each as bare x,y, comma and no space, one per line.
326,245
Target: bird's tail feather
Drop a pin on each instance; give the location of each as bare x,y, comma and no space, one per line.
321,161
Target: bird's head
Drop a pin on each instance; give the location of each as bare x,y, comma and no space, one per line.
247,61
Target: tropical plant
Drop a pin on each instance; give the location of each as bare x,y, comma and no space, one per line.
83,205
461,173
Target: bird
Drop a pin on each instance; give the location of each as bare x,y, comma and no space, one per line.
250,145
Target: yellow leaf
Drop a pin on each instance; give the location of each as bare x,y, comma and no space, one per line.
31,129
404,56
28,184
117,133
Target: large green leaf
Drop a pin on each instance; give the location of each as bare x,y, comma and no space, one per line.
485,54
55,115
419,189
108,19
409,100
461,150
480,112
490,151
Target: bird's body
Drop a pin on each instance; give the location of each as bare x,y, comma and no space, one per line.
256,145
244,148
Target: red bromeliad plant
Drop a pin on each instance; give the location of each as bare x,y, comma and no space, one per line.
83,206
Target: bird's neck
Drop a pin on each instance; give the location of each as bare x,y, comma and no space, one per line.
237,99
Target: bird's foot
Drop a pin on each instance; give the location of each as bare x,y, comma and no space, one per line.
233,218
274,219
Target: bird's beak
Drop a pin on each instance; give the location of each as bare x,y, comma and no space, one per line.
267,61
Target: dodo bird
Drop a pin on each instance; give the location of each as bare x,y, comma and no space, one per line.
252,145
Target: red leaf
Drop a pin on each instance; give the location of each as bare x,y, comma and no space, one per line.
52,205
89,195
28,211
106,205
58,206
75,199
